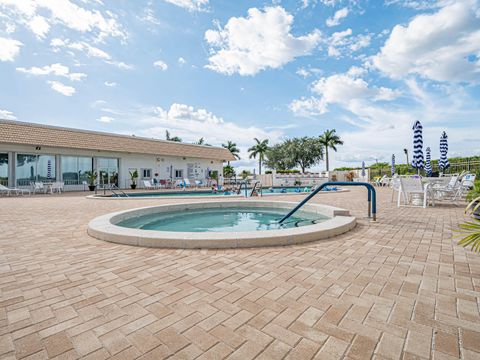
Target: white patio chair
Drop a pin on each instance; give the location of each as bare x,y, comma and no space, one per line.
451,191
395,185
468,181
148,185
186,183
58,186
413,192
38,186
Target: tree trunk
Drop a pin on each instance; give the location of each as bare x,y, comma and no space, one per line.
326,156
260,166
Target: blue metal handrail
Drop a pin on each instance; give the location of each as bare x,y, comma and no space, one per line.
372,198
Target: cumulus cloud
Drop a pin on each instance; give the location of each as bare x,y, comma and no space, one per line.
348,90
441,46
110,83
105,119
61,88
39,14
191,124
54,69
7,115
162,65
190,5
9,49
247,45
337,17
181,61
342,43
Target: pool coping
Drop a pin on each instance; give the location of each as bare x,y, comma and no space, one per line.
102,228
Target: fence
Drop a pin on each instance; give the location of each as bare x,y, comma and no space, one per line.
455,167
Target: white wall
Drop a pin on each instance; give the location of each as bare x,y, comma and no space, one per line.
158,163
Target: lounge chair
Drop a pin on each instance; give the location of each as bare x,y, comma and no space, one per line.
8,191
468,181
381,181
452,191
395,185
148,185
411,191
186,183
199,183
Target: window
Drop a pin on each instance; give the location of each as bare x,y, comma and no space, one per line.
4,169
107,170
35,168
146,173
178,174
74,169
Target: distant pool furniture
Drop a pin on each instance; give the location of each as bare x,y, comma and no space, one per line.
148,185
451,191
186,183
395,185
413,192
383,181
39,186
199,183
468,181
57,186
8,191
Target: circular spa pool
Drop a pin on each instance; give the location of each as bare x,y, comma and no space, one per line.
221,224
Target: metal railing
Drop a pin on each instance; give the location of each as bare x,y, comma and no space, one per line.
372,198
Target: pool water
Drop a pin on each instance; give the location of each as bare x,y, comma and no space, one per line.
221,220
300,190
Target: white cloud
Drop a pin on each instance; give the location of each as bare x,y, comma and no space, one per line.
190,5
343,43
120,64
39,26
7,115
110,83
9,49
442,46
62,88
181,61
191,124
337,17
303,72
105,119
63,12
348,90
162,65
54,69
261,40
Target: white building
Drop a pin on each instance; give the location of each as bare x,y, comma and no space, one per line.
32,152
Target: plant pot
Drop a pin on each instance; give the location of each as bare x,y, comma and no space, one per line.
133,186
91,187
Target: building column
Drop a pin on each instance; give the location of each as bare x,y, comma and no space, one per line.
58,168
12,179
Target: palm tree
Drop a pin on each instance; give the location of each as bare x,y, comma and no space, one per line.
259,149
232,147
330,139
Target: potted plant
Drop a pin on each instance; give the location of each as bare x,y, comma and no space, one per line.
133,179
92,179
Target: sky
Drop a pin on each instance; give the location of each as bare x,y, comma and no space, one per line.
235,70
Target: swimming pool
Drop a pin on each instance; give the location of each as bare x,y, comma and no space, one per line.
220,224
218,220
209,193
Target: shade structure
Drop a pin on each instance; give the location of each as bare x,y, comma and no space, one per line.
49,169
363,168
417,160
393,164
443,163
428,165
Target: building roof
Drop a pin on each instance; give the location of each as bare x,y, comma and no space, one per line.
23,133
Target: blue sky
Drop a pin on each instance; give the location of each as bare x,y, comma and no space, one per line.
234,70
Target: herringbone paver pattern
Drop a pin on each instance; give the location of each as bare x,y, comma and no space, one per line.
396,289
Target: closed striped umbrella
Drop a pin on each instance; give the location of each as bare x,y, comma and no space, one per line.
417,161
443,163
393,164
363,168
49,169
428,165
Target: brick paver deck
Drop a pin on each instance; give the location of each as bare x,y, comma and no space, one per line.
396,289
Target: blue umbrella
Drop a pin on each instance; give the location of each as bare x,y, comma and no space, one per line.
428,165
417,161
363,168
393,164
443,163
